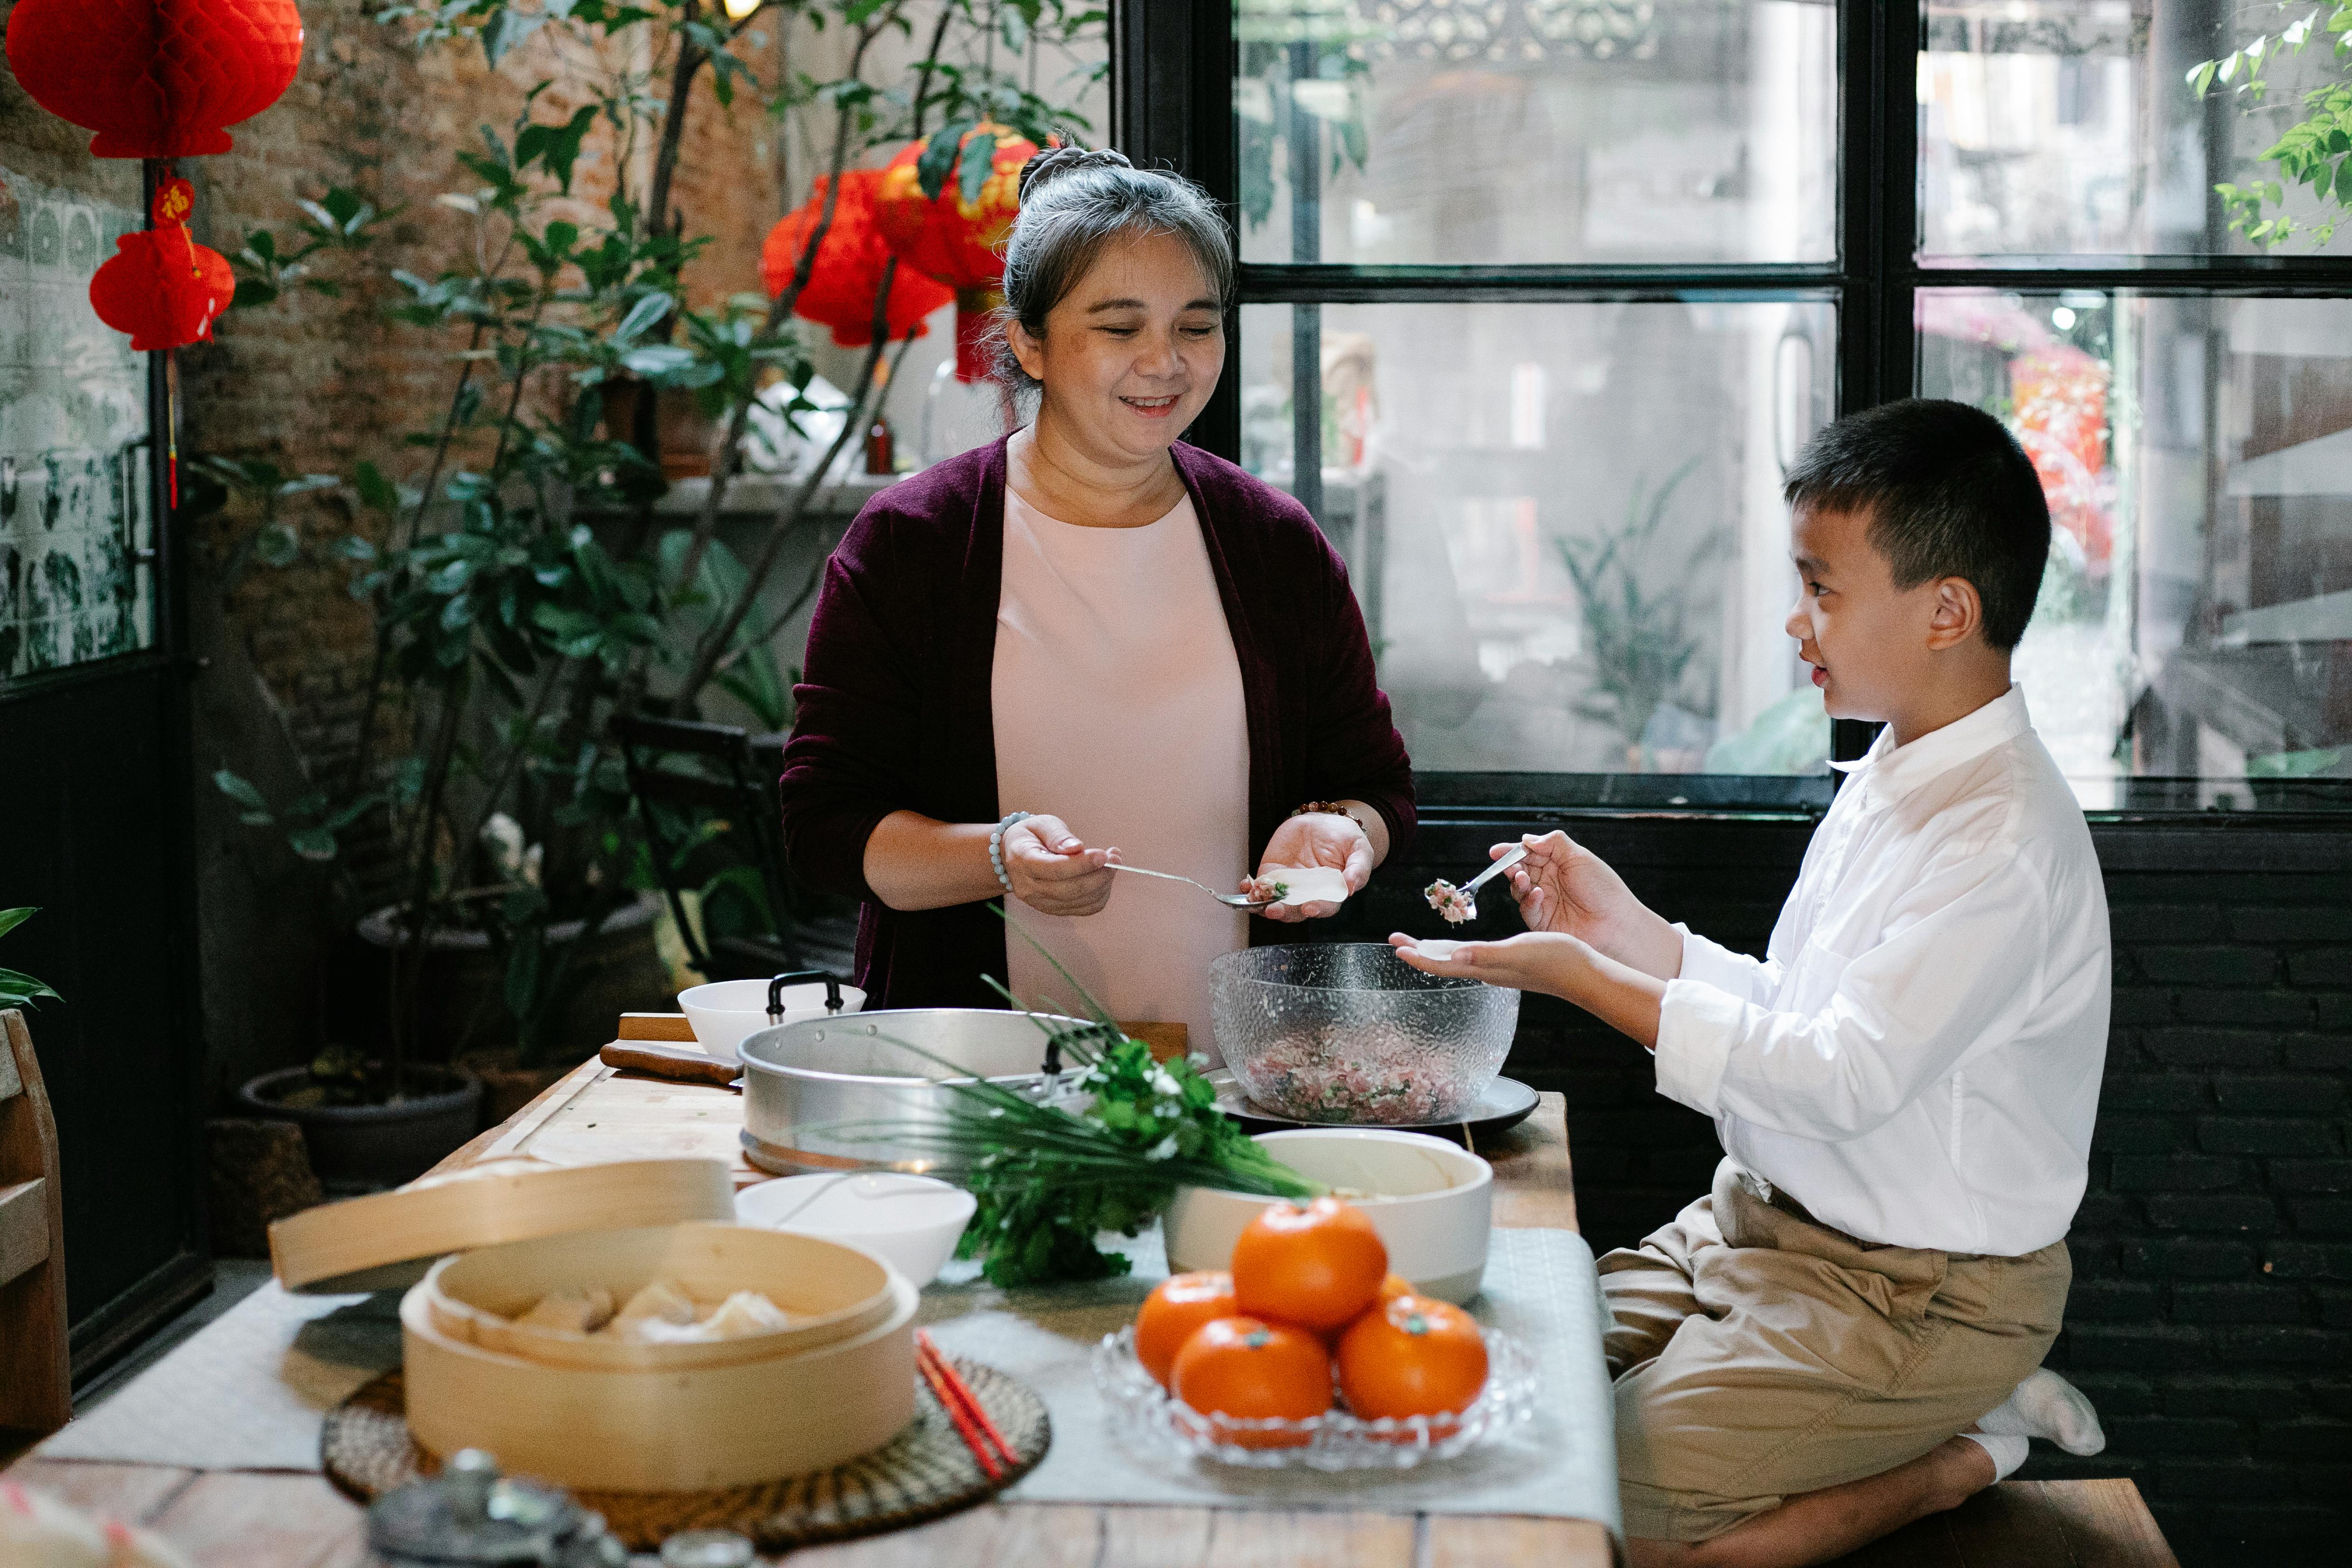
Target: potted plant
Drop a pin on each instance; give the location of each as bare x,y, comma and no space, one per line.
18,989
521,592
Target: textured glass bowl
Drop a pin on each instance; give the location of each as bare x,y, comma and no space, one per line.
1348,1035
1151,1422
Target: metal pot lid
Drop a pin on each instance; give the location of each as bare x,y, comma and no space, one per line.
1010,1045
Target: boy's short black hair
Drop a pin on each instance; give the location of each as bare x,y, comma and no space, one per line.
1951,494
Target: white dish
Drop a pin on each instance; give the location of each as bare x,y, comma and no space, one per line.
910,1222
1434,1208
726,1011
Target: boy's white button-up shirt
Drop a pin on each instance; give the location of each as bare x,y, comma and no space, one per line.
1917,1059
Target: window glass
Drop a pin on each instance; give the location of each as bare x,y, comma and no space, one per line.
1563,520
1537,130
2072,126
2196,617
76,514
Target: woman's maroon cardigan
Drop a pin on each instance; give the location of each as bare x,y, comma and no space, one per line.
895,710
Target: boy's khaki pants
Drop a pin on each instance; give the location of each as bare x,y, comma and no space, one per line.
1759,1354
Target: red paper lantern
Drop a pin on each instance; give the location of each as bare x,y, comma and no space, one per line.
959,243
161,286
155,78
849,265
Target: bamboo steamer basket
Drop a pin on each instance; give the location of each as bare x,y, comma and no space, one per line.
387,1241
832,1292
691,1429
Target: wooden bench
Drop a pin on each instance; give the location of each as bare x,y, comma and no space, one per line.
2030,1524
36,1380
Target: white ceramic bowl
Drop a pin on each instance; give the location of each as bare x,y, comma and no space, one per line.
910,1222
725,1011
1434,1207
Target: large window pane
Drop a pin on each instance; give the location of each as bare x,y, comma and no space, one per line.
1564,521
2070,127
76,512
2196,619
1537,130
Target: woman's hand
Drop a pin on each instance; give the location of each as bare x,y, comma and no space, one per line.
1563,886
1052,872
1317,838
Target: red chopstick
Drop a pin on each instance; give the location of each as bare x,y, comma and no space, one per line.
963,1403
964,1428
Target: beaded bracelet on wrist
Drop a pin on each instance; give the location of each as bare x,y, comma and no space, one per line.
996,848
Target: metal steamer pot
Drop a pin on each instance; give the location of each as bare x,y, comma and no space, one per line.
812,1090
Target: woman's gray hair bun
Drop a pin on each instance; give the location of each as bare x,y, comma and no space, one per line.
1067,159
1075,200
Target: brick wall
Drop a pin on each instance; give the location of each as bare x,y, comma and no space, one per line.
315,384
2211,1313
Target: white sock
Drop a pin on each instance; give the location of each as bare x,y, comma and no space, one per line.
2007,1448
2046,1406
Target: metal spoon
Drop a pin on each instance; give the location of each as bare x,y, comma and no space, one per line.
1470,889
1230,901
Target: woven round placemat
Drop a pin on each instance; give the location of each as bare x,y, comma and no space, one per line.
924,1472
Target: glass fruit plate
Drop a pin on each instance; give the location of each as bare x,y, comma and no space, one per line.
1153,1423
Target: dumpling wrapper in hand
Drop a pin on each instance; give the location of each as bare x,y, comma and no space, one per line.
1305,884
571,1311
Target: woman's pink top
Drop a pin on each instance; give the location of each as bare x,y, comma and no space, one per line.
1118,708
896,714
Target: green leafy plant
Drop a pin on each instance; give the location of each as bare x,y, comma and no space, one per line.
521,590
1050,1181
18,989
2310,154
1635,633
1303,61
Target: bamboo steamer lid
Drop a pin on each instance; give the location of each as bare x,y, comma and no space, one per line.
387,1241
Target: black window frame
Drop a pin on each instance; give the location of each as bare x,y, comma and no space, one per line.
1173,64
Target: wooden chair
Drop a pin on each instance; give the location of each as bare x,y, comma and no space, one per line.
719,781
36,1379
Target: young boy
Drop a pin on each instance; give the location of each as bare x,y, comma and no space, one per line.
1845,1334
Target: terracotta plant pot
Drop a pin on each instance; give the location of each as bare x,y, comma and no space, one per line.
364,1148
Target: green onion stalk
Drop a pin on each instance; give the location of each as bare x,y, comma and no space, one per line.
1051,1180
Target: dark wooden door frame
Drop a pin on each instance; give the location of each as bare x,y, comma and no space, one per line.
153,685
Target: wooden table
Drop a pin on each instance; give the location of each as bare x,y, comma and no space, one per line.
238,1519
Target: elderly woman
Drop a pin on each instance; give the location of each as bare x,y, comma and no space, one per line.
1086,645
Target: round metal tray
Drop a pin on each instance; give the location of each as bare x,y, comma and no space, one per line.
1506,1104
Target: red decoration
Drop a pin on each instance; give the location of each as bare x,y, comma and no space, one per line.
161,286
155,78
959,243
2060,394
849,270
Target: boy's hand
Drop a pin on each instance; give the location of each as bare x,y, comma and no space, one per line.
1563,886
1537,961
1617,993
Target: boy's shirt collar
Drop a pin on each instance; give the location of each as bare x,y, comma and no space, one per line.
1894,771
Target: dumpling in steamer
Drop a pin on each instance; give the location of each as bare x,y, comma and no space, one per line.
744,1313
571,1311
741,1315
652,1311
